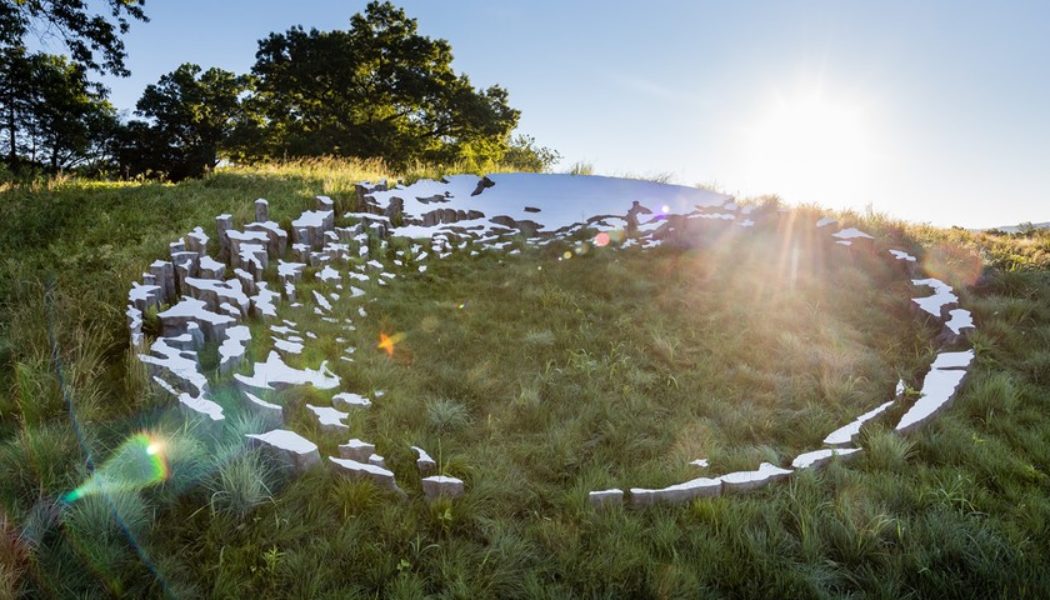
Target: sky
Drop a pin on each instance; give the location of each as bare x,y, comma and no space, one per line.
928,111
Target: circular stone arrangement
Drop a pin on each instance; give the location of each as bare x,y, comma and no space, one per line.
200,299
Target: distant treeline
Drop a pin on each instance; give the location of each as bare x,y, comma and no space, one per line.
377,90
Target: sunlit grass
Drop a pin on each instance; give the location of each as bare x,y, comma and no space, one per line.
592,373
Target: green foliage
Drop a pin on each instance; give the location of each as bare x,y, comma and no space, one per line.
82,32
524,154
52,116
581,168
191,114
241,485
378,90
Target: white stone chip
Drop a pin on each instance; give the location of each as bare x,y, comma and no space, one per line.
818,458
329,418
297,450
844,435
742,481
602,498
441,485
348,400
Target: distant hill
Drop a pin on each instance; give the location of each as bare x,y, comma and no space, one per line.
1018,228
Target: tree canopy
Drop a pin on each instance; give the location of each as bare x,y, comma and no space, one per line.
376,90
52,115
93,40
191,114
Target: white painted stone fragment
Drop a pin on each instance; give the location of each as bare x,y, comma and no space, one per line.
844,435
143,297
942,296
742,481
293,448
602,498
819,458
197,241
329,418
328,274
262,210
938,388
210,268
174,320
322,302
959,319
357,450
201,406
287,346
271,413
902,255
953,360
700,463
825,221
275,374
348,400
377,460
233,348
264,303
215,292
850,234
680,492
290,271
441,485
352,468
424,462
180,365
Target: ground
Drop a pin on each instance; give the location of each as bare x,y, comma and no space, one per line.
531,374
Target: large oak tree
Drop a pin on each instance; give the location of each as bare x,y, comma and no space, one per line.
376,90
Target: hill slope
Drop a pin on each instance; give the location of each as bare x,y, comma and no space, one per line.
959,509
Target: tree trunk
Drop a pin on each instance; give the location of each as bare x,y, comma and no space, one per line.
13,152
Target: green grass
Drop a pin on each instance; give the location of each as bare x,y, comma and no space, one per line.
610,369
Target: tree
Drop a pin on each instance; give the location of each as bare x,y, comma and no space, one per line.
83,33
378,89
54,117
523,154
191,114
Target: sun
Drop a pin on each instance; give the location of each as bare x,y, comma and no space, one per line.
810,147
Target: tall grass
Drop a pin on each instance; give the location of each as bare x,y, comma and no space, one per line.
601,371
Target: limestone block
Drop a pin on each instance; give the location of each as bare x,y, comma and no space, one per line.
604,498
357,450
289,447
262,210
440,485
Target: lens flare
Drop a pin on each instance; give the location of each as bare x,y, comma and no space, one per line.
388,342
953,263
138,463
601,240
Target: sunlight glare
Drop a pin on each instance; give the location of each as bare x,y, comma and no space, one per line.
810,147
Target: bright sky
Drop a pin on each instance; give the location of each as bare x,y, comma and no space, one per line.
929,111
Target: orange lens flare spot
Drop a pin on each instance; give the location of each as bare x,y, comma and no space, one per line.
388,342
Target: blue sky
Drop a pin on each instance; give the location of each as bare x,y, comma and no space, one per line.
929,111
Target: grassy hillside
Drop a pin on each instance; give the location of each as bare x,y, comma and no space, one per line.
535,380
